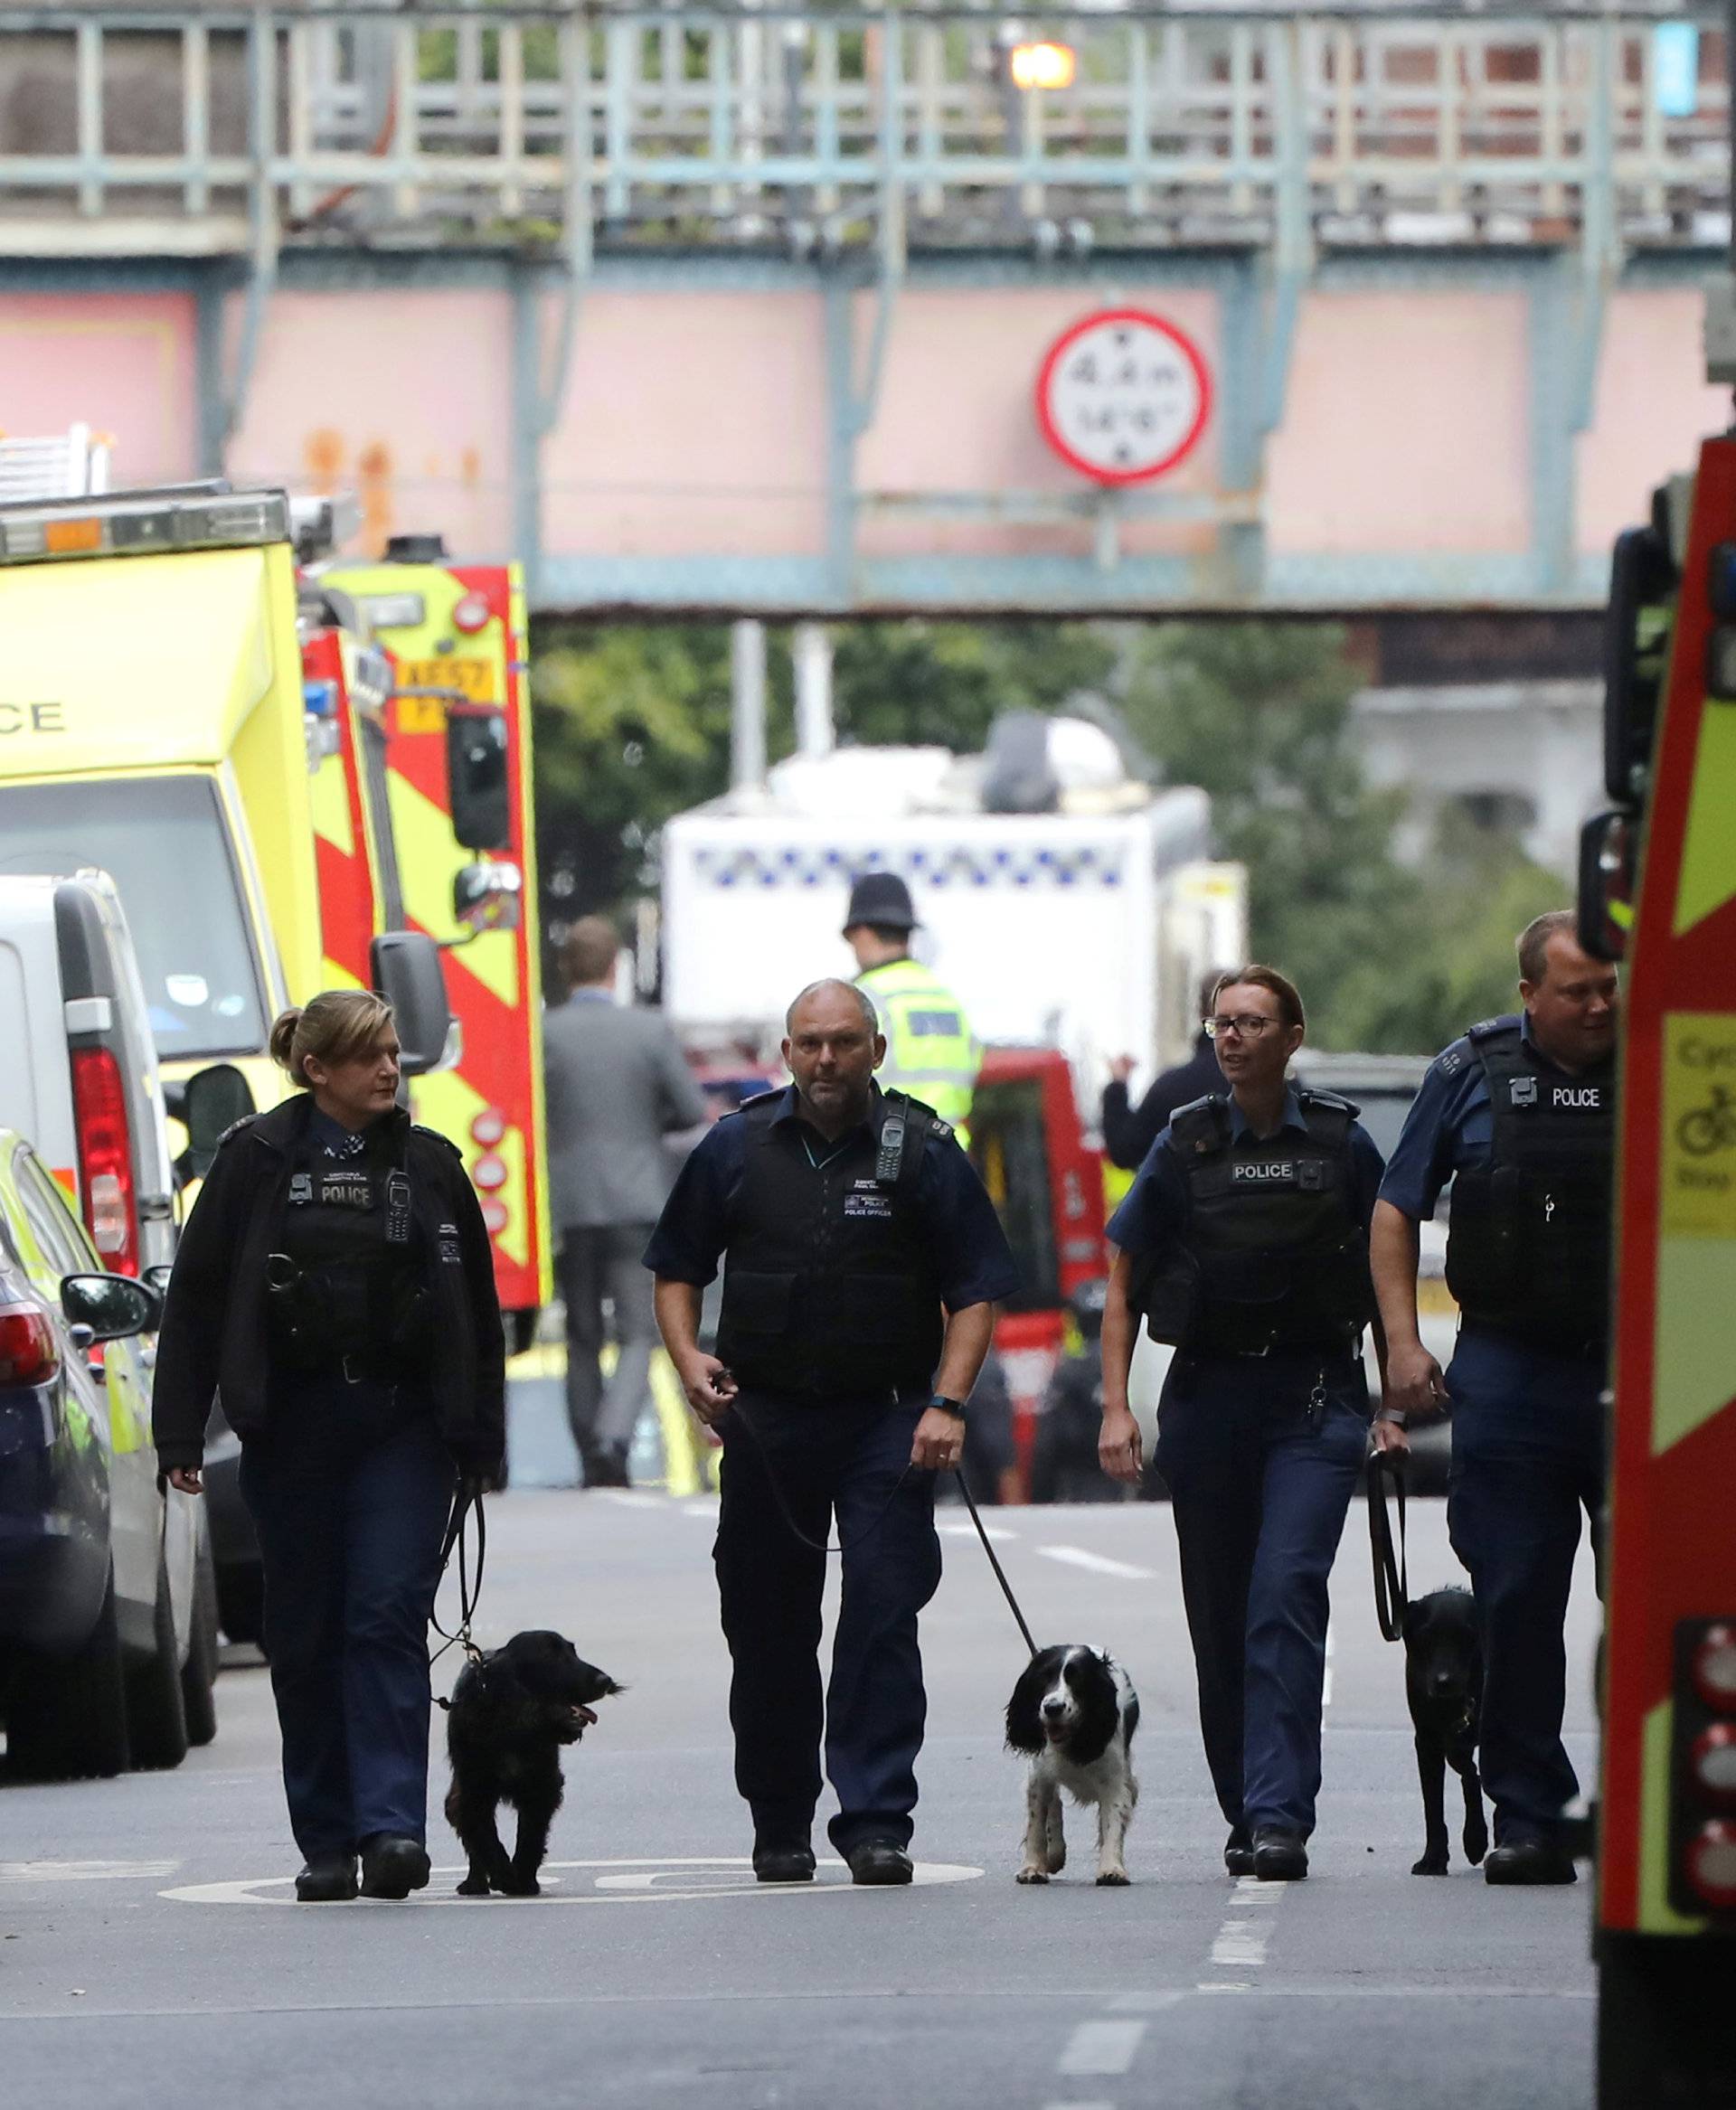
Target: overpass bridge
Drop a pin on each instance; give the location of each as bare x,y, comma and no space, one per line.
742,308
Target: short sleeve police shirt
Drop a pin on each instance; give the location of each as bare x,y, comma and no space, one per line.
972,1258
1450,1125
1155,1212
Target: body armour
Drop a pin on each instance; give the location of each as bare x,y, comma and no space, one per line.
1274,1256
1528,1247
344,1287
829,1288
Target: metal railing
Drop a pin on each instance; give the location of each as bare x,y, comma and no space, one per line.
683,125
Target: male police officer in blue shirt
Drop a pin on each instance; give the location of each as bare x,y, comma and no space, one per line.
849,1222
1520,1115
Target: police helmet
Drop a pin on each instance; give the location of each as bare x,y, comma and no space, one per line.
881,900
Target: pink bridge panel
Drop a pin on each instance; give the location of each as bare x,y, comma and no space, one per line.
402,397
958,413
694,424
120,363
1405,426
1653,409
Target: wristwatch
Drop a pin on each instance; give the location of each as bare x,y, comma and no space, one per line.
948,1406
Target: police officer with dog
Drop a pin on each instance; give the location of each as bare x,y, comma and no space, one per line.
1519,1114
335,1284
1244,1241
862,1261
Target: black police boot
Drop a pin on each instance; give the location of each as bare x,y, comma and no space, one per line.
391,1867
328,1878
1238,1852
1529,1861
1280,1855
878,1861
779,1859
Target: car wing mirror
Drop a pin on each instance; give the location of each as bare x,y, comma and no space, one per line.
111,1307
478,783
488,896
1608,881
407,973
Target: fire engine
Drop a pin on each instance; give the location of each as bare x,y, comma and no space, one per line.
1665,1931
454,769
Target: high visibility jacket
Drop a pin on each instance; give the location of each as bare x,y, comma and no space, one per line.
930,1051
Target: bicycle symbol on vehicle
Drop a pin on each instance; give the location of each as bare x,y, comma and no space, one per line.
1711,1127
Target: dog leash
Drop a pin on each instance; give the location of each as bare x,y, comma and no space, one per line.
466,1497
1392,1577
1000,1573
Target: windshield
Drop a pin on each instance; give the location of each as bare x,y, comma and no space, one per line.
163,841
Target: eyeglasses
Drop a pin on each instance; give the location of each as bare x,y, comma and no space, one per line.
1247,1025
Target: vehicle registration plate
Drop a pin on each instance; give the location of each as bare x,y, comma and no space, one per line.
472,679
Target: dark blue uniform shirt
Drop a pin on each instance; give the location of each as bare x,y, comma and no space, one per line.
1157,1205
971,1256
1450,1126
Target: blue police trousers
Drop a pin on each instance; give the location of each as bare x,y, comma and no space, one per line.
351,1545
1259,1488
810,1464
1528,1437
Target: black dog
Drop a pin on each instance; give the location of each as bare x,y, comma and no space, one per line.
511,1712
1443,1681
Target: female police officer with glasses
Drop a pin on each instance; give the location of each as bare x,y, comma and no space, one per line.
1244,1241
335,1284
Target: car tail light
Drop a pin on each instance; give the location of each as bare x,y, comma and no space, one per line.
105,1158
490,1173
495,1216
470,615
29,1353
1712,1762
488,1127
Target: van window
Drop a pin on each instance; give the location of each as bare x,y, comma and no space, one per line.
164,841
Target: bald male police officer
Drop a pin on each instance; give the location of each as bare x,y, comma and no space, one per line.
1519,1115
930,1049
861,1264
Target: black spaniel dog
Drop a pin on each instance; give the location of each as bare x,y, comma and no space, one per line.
511,1711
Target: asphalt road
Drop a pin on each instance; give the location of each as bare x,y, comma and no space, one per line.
148,1947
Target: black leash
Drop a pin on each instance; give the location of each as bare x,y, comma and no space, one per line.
467,1497
824,1546
1391,1576
1000,1573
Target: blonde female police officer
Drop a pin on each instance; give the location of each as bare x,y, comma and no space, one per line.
1245,1241
335,1286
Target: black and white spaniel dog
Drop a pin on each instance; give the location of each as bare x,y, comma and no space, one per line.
1073,1714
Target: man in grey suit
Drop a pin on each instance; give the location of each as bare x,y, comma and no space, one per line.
616,1085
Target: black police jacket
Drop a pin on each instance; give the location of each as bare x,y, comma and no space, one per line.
1528,1248
215,1331
829,1283
1276,1256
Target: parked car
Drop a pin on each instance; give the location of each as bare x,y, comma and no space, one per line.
108,1594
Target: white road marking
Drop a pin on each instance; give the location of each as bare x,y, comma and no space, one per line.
633,1498
1241,1942
1325,1688
1098,1563
642,1880
701,1505
1101,2047
84,1871
995,1532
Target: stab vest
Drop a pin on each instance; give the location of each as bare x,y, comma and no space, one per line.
1528,1248
829,1286
1274,1256
357,1293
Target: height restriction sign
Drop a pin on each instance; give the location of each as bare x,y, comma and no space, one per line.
1123,396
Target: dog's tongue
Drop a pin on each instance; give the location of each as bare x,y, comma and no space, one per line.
585,1717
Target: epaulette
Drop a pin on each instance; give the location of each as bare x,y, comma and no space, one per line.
937,1126
1202,1125
1485,1028
1309,1095
761,1098
416,1128
235,1128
